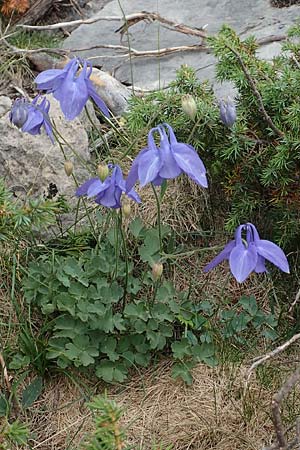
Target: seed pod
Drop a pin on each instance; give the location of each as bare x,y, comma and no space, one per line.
189,106
157,271
68,166
19,112
103,171
126,209
227,112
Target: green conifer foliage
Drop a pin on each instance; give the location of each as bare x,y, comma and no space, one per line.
254,166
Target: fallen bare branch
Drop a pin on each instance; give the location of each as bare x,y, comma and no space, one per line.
261,359
130,51
276,403
130,20
297,298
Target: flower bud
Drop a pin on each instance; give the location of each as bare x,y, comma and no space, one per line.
19,112
227,112
157,271
68,166
103,171
126,209
189,106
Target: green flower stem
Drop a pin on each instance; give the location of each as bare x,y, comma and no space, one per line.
116,129
103,230
117,243
57,134
158,218
156,285
98,131
126,258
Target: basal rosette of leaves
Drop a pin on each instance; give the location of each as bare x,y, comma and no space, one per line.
253,171
89,325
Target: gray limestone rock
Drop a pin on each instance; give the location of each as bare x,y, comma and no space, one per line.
246,17
114,93
31,163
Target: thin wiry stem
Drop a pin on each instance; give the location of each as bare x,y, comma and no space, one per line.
158,218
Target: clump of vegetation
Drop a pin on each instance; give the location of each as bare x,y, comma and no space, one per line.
103,298
254,165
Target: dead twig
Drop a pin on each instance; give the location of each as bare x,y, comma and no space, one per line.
261,359
5,374
130,20
276,403
130,51
297,298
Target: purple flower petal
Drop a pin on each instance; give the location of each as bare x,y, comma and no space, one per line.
260,265
238,234
82,190
97,186
133,175
273,253
72,93
149,167
48,129
33,122
158,181
134,196
97,99
224,254
189,161
118,178
170,168
227,112
242,261
49,79
107,198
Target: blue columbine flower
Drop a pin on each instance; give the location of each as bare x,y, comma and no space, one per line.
70,88
156,164
227,112
249,254
108,192
31,116
19,112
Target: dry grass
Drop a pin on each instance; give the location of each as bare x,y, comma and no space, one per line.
183,205
210,414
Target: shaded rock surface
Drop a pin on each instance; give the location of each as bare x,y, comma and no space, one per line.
32,164
256,17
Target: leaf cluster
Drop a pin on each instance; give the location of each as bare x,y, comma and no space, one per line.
103,318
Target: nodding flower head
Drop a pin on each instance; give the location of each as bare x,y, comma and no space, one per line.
247,253
108,192
72,87
154,164
19,112
227,112
31,116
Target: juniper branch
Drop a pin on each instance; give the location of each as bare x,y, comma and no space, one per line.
256,92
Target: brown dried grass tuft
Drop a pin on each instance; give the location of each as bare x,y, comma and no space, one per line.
210,414
59,418
182,207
